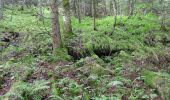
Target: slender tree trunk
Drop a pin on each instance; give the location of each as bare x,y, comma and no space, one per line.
84,8
132,4
55,25
94,14
1,9
67,17
78,11
115,14
128,7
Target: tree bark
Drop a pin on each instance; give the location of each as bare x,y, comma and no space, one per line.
1,9
55,25
67,17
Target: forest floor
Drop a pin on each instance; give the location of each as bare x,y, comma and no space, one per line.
133,63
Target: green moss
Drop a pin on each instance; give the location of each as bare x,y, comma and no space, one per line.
149,77
61,54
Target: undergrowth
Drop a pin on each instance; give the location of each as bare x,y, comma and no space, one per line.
108,66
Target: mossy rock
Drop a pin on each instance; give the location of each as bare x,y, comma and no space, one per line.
98,60
92,80
91,66
94,57
159,81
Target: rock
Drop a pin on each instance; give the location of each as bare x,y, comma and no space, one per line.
159,81
4,39
115,84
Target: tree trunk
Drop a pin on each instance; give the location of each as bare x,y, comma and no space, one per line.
94,14
128,7
1,9
67,17
55,25
115,14
132,4
78,11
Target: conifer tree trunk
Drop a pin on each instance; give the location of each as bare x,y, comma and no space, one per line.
55,25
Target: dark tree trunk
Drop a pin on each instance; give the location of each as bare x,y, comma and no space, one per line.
94,14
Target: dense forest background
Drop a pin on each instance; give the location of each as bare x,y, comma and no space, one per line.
84,49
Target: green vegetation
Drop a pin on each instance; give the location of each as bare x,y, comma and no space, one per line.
133,63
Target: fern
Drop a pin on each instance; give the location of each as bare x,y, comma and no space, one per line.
22,90
38,87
